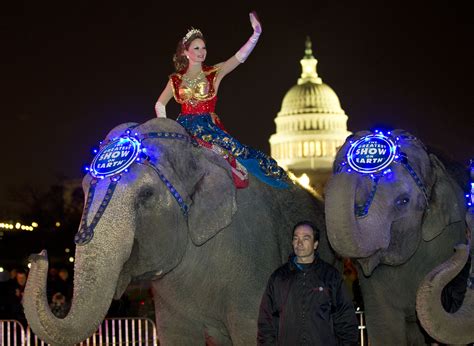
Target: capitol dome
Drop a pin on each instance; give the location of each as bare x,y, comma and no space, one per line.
311,124
310,97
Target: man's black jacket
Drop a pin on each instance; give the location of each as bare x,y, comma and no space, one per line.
306,306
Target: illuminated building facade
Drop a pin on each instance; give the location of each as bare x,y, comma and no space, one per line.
310,126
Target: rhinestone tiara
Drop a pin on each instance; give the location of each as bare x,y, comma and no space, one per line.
190,33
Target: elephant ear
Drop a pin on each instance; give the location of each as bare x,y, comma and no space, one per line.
444,205
213,199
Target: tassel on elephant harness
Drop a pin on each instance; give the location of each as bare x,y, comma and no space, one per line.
112,160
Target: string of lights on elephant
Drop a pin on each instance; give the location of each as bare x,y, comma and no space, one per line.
112,160
372,155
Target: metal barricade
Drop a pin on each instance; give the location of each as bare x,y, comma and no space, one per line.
11,333
363,341
112,331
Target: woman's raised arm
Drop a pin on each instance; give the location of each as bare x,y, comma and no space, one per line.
243,52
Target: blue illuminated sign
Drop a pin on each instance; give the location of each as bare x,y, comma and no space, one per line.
371,153
115,157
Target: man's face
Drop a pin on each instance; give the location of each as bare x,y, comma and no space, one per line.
21,279
304,244
63,274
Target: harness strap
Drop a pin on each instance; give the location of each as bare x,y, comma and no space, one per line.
86,232
416,178
184,207
363,210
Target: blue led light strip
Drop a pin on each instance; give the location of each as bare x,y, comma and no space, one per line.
380,171
86,233
404,161
170,187
363,210
169,135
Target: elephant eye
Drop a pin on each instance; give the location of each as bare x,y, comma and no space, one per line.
402,201
145,194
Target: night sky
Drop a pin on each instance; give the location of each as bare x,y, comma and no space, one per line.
71,71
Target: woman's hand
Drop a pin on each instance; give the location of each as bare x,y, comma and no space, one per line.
256,25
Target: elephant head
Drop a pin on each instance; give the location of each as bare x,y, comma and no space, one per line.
381,218
409,208
154,208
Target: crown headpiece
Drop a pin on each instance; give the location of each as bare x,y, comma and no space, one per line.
190,33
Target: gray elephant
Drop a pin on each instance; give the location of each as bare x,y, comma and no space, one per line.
180,222
396,210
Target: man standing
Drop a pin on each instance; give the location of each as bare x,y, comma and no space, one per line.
305,302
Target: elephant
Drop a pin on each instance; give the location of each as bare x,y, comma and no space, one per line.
400,222
207,247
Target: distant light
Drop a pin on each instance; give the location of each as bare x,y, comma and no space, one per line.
71,259
17,225
304,180
2,270
58,224
34,224
67,250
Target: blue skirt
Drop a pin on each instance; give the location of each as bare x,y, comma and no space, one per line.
256,162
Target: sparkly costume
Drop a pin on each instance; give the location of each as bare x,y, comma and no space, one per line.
198,100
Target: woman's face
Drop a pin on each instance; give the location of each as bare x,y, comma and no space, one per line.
196,52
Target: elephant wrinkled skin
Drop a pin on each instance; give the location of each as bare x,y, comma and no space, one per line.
405,234
209,269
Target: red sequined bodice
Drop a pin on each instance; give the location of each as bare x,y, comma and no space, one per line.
196,96
201,107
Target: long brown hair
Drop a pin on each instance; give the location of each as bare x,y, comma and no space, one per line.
179,59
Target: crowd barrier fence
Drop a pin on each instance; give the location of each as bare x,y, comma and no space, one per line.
112,331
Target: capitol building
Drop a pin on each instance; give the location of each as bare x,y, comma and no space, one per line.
310,127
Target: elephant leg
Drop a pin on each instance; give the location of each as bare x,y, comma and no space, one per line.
215,337
386,325
177,329
242,324
415,334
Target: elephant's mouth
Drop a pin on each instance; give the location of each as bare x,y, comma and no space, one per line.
368,264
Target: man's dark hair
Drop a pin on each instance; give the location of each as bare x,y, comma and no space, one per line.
310,225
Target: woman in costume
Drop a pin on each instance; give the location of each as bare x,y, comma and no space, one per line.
195,85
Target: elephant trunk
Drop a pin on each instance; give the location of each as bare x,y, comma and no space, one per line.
96,272
344,231
449,328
